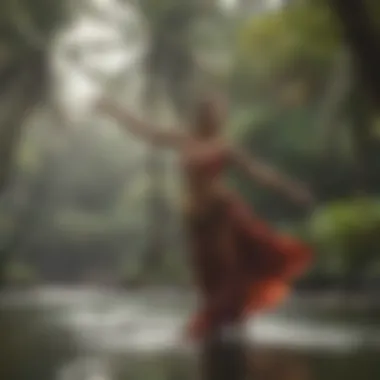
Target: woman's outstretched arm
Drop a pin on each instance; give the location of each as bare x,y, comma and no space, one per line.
139,128
268,177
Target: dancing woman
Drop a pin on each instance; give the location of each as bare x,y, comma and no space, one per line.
241,265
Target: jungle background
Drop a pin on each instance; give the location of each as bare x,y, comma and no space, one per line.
84,204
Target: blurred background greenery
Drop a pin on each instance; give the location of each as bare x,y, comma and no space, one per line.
83,203
80,198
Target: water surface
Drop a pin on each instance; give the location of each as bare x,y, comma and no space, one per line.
102,334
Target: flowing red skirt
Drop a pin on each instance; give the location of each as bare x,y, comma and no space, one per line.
241,265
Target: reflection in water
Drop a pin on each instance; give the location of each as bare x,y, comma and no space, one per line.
100,335
85,369
30,349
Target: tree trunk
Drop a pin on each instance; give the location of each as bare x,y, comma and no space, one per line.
30,218
363,41
156,205
337,93
24,92
157,211
363,144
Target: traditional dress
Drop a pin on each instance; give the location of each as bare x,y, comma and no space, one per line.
241,265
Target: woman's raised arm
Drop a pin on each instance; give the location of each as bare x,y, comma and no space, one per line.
266,176
141,129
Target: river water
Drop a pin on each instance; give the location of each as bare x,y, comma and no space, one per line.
102,334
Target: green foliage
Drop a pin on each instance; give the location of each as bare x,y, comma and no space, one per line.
178,13
283,60
296,43
31,22
346,218
281,37
373,7
18,273
28,28
29,158
347,231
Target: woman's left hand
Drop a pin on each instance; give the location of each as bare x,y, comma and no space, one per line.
304,198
